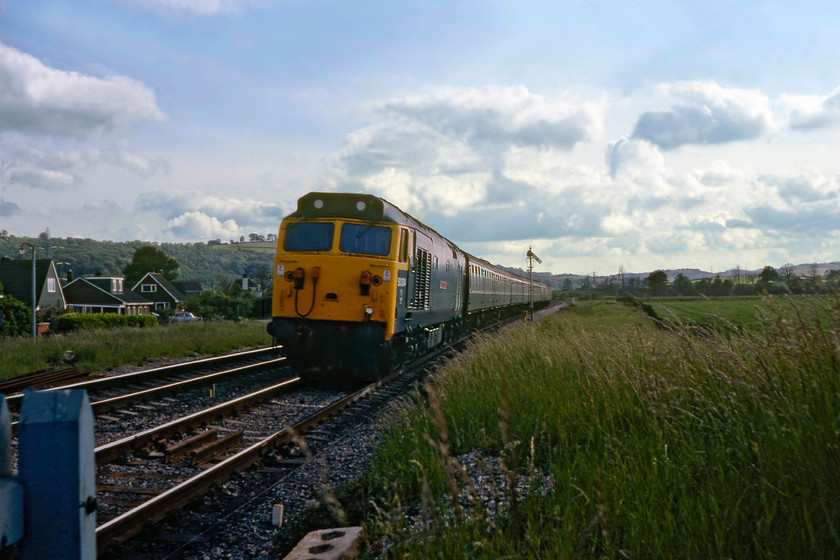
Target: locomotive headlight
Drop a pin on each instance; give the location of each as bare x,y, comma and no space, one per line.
368,313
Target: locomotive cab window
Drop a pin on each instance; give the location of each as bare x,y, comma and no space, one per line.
365,239
311,236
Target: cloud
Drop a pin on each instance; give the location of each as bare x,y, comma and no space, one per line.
795,204
201,7
633,157
37,99
707,114
197,225
8,208
195,211
449,150
511,116
810,112
804,187
42,178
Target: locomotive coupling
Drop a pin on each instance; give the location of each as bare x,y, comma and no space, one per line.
298,276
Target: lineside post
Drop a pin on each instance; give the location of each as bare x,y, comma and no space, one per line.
57,469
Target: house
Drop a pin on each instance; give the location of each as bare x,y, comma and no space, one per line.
189,288
104,294
16,277
248,285
156,288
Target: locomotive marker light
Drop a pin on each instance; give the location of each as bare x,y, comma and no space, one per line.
531,258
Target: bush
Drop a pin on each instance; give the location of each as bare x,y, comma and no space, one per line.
16,317
78,321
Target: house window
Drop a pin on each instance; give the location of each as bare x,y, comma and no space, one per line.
116,285
51,285
148,288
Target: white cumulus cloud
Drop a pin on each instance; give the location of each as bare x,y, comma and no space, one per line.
198,225
37,99
706,113
809,112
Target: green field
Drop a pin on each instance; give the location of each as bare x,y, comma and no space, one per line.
747,312
594,434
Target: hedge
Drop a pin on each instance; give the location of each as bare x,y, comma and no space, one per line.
79,321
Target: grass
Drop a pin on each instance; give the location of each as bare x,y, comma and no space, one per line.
608,438
104,349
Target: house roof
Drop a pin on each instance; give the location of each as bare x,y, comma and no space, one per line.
16,277
188,287
83,291
161,280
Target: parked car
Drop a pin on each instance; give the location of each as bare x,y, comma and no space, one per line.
183,317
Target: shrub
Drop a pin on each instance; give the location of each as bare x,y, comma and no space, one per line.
78,321
16,317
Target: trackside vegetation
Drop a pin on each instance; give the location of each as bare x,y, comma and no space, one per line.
98,350
595,434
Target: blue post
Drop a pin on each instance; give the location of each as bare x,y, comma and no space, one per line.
11,491
56,467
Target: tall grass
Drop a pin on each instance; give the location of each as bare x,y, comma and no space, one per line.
646,443
104,349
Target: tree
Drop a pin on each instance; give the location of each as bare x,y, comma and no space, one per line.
656,281
684,286
768,274
150,259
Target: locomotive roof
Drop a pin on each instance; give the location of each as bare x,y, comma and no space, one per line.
355,206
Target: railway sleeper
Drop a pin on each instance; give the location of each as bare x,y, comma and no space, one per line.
180,450
215,449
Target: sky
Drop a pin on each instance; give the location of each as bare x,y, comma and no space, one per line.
605,134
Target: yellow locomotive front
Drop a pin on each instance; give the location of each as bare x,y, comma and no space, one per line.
336,282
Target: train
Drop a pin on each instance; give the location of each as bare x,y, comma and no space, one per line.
361,286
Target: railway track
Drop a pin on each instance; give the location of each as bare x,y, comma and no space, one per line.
126,400
143,477
279,452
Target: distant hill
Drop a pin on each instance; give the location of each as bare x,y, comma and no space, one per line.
559,281
212,264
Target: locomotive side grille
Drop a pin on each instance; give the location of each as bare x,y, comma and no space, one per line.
422,280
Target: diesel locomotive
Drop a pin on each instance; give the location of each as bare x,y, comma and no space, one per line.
359,286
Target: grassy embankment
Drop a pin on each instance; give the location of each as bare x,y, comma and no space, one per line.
103,349
619,440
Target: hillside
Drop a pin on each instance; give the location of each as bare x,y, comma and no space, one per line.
209,264
213,264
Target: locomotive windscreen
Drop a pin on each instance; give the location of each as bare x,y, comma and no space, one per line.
365,239
309,236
